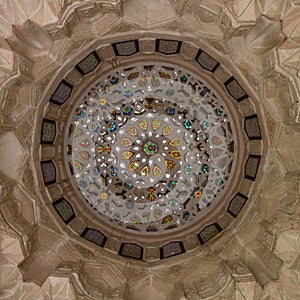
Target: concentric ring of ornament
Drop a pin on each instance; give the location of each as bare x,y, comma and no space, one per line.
152,147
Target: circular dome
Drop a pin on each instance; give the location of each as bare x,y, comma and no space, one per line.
152,147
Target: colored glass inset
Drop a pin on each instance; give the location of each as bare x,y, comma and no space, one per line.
167,130
145,171
175,154
143,124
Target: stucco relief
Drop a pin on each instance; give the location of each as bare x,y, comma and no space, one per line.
274,58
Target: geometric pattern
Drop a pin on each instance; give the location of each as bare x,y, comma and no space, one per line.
49,172
64,209
168,46
94,236
209,232
131,157
62,93
206,61
126,48
131,250
171,249
251,166
48,131
252,128
235,90
89,63
236,204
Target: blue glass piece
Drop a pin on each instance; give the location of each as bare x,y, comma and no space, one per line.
204,91
128,93
172,184
127,110
205,169
80,113
205,125
129,185
114,80
170,92
218,112
187,124
113,171
112,126
170,110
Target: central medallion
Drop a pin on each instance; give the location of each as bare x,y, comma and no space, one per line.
150,148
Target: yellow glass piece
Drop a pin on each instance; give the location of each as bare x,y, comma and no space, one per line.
143,124
132,131
170,164
156,124
167,130
175,154
175,142
157,171
145,171
126,142
127,155
134,166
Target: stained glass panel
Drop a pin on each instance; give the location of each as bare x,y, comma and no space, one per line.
49,172
94,236
131,250
171,249
206,61
168,46
48,131
62,93
251,166
252,127
89,63
64,209
209,232
236,204
126,48
235,90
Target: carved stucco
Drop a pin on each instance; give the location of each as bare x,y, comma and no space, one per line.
257,257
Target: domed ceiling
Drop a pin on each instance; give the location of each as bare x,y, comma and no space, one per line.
149,155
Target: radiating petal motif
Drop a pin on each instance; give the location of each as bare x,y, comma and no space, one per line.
157,171
143,124
132,131
134,166
175,142
156,124
175,154
170,164
126,142
127,155
167,130
145,171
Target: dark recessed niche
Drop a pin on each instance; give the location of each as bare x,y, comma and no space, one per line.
62,93
48,131
88,64
206,61
126,48
64,209
94,236
48,171
209,232
251,167
167,47
236,204
235,90
131,250
171,249
252,127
